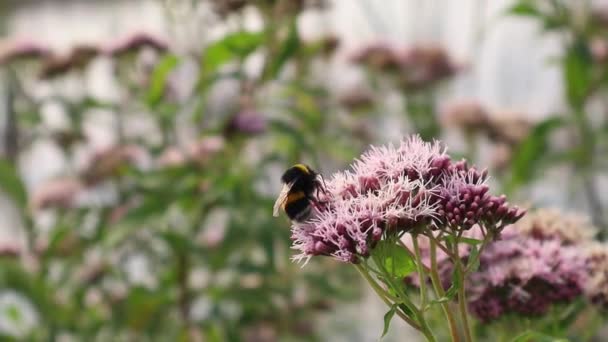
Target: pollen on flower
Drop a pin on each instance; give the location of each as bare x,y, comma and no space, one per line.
393,189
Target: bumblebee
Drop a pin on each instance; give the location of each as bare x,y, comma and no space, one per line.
300,182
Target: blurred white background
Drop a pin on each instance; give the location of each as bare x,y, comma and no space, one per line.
506,59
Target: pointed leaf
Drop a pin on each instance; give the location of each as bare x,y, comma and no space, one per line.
288,49
235,45
388,316
160,75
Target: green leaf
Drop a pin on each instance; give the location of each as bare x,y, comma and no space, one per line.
236,45
11,184
395,259
453,290
531,153
578,73
388,316
524,8
533,336
289,48
473,259
159,78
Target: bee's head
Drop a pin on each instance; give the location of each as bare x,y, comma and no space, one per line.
297,171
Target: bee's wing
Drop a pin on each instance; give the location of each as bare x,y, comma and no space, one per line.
278,204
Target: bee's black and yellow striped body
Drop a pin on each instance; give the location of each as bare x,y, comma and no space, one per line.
299,184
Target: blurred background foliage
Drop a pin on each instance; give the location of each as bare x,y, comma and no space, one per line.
152,219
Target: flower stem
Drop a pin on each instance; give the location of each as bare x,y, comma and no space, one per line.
385,296
462,299
440,293
425,329
421,273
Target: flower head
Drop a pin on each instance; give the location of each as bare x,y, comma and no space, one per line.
468,115
524,275
398,188
423,65
378,56
545,224
60,193
77,59
22,50
596,288
134,42
247,121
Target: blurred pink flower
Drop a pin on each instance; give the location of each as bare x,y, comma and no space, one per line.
78,58
205,148
134,42
596,288
546,223
510,127
524,275
246,121
60,193
109,162
379,56
10,249
599,50
423,65
357,99
465,114
172,156
19,50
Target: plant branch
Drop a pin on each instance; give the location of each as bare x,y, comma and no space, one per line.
462,299
385,296
440,293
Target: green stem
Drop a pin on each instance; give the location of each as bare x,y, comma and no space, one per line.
425,329
421,273
440,293
385,296
462,299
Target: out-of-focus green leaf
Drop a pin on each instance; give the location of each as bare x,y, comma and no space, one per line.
159,78
11,184
152,207
524,8
388,316
288,49
531,152
236,45
396,260
533,336
578,73
143,308
12,276
178,242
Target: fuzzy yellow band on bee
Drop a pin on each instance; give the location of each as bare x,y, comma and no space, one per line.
302,167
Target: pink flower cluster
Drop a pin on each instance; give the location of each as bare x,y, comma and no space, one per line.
398,189
525,275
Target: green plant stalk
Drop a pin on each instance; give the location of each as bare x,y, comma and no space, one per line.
425,329
462,299
421,273
386,298
440,293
